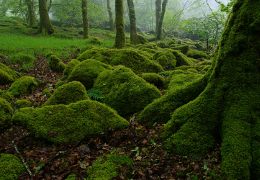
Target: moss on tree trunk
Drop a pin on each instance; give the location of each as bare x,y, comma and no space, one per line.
85,19
45,23
229,107
133,31
31,14
111,21
158,9
160,23
120,26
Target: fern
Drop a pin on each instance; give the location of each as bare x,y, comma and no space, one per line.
95,94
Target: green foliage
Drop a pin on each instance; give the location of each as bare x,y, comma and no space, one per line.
165,73
95,94
10,167
27,67
21,59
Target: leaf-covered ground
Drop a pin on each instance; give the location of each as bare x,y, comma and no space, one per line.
141,143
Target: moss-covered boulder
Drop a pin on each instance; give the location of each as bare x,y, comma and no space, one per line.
181,59
184,49
46,92
59,83
87,71
154,79
6,95
10,167
68,93
69,123
131,58
21,59
166,59
124,91
22,103
95,40
24,85
6,113
141,39
56,64
151,51
108,166
162,44
69,67
7,75
197,54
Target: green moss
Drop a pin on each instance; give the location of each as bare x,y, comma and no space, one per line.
47,92
68,93
49,54
56,64
21,59
69,67
120,25
95,40
6,113
170,42
10,167
184,49
6,95
69,123
24,85
121,86
162,44
87,71
166,59
135,59
205,62
71,177
151,51
198,46
181,58
106,166
141,39
197,54
23,103
58,84
7,75
154,79
205,69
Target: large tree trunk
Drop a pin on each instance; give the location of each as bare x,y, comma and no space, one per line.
133,31
120,26
158,9
160,23
229,107
31,14
85,19
45,23
111,21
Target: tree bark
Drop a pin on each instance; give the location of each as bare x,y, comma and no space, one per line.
133,31
120,26
111,21
160,23
45,23
158,9
229,107
31,14
85,19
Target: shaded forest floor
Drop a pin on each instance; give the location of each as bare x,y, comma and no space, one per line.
142,144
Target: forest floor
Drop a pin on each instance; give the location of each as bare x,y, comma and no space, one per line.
142,144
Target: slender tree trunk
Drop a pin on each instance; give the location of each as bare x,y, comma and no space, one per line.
159,30
45,23
158,9
133,31
120,26
49,7
111,21
31,13
85,19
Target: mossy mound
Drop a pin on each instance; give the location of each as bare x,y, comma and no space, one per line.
170,42
6,113
46,92
87,71
58,84
166,59
150,46
69,123
49,54
22,103
21,59
68,93
71,177
141,39
10,167
154,79
198,46
150,51
6,95
197,54
95,40
124,91
7,75
24,85
106,166
162,44
184,49
69,67
56,64
205,62
181,59
131,58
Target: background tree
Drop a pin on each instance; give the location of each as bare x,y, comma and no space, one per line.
85,19
228,108
120,26
45,23
31,13
110,13
133,31
158,9
160,23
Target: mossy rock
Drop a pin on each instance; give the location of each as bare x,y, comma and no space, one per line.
49,54
154,79
6,113
56,64
68,93
124,91
198,46
10,167
141,39
69,123
7,75
150,46
205,62
95,40
197,54
6,95
21,59
24,85
181,59
151,51
135,59
69,67
46,92
166,59
22,103
170,42
59,83
162,44
71,177
106,166
205,69
184,49
87,71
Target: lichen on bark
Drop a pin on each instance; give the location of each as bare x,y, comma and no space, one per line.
120,26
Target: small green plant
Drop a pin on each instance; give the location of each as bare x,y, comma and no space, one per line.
27,67
137,151
22,59
95,94
165,73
